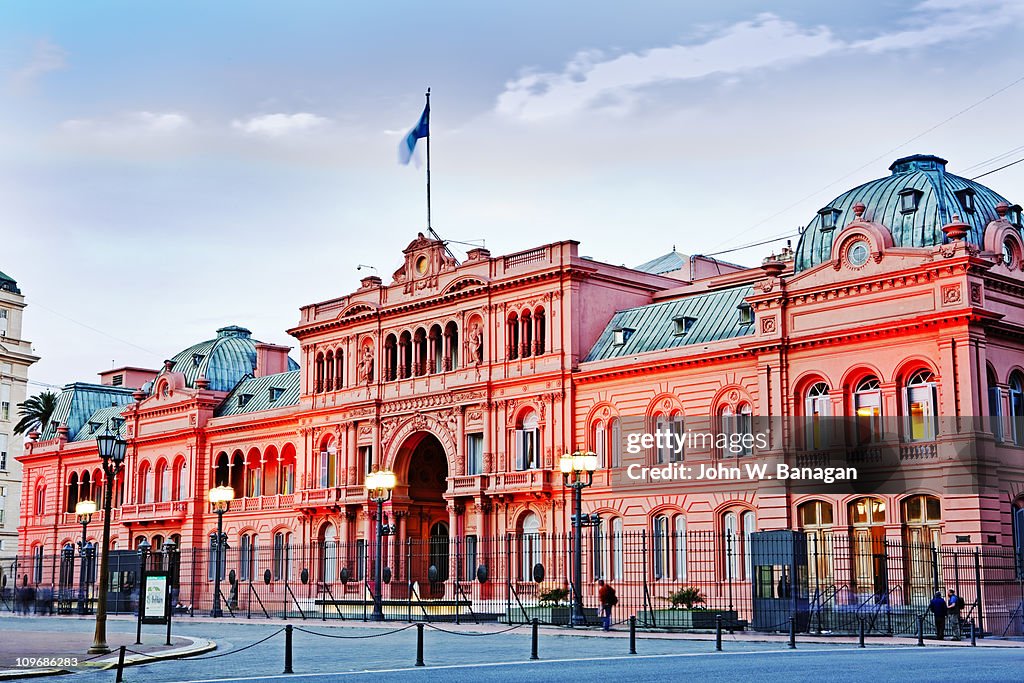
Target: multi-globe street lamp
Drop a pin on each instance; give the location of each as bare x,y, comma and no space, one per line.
578,473
84,510
220,498
112,449
379,485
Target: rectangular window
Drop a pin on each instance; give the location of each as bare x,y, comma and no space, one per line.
37,564
597,551
471,561
360,559
527,457
920,413
211,569
366,455
5,402
671,437
3,452
475,453
615,447
868,406
3,322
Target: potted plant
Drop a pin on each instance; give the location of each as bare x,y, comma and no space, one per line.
553,606
686,610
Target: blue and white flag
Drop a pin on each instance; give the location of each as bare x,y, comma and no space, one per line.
420,130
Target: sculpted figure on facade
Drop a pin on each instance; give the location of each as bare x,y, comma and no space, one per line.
366,365
476,344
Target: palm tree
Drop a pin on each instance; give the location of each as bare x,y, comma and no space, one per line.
36,412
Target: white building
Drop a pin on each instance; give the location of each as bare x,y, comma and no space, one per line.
15,359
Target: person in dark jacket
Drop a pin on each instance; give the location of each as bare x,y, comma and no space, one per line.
939,609
606,595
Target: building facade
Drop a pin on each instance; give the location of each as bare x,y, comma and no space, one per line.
892,338
15,359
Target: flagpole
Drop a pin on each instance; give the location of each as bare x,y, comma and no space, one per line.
429,228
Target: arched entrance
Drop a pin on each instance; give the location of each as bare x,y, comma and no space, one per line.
422,465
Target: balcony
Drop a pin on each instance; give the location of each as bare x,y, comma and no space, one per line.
72,518
918,451
526,481
167,511
470,485
257,503
313,498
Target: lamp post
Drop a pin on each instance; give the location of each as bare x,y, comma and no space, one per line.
379,485
220,496
84,511
112,449
578,473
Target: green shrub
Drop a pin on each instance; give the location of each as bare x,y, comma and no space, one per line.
686,598
552,597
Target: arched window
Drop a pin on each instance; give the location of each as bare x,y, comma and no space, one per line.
529,545
920,400
660,547
419,361
271,477
437,354
737,525
212,560
815,518
597,553
737,429
671,433
1017,406
339,369
390,357
730,526
512,337
817,414
329,371
618,563
748,526
405,355
222,473
72,492
527,445
329,567
679,545
145,484
867,405
247,557
237,471
600,441
439,546
540,335
282,556
286,471
318,370
526,335
615,447
451,340
1017,510
995,404
85,487
41,499
867,548
182,483
163,481
922,534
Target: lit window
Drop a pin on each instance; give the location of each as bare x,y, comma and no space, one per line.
919,400
867,402
817,411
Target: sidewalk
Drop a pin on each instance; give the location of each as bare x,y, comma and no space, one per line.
50,653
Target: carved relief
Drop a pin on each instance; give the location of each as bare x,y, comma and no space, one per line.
976,293
950,294
768,325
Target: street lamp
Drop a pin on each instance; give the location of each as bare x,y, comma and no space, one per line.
379,485
112,449
578,473
220,496
84,510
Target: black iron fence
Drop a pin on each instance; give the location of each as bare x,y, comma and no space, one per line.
824,581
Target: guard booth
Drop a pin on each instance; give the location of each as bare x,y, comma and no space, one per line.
123,581
779,562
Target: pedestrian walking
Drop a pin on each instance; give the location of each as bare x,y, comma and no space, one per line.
606,595
939,609
955,607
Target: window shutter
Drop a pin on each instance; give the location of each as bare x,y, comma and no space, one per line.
520,449
933,410
908,434
324,463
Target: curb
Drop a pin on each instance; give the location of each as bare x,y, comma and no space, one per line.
198,646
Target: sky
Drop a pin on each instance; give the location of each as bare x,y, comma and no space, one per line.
168,168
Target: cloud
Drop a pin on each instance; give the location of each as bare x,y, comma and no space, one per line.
46,57
613,84
129,125
278,125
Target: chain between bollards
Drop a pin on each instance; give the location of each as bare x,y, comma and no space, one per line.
861,633
718,632
632,635
120,664
288,649
419,645
533,647
920,630
792,633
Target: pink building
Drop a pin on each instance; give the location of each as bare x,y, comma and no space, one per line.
891,339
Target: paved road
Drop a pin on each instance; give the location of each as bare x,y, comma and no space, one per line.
505,657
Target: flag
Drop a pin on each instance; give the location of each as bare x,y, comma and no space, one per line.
420,130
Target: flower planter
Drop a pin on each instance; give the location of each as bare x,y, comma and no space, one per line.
701,619
558,615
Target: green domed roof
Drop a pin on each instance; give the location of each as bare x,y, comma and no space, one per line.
224,360
914,202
